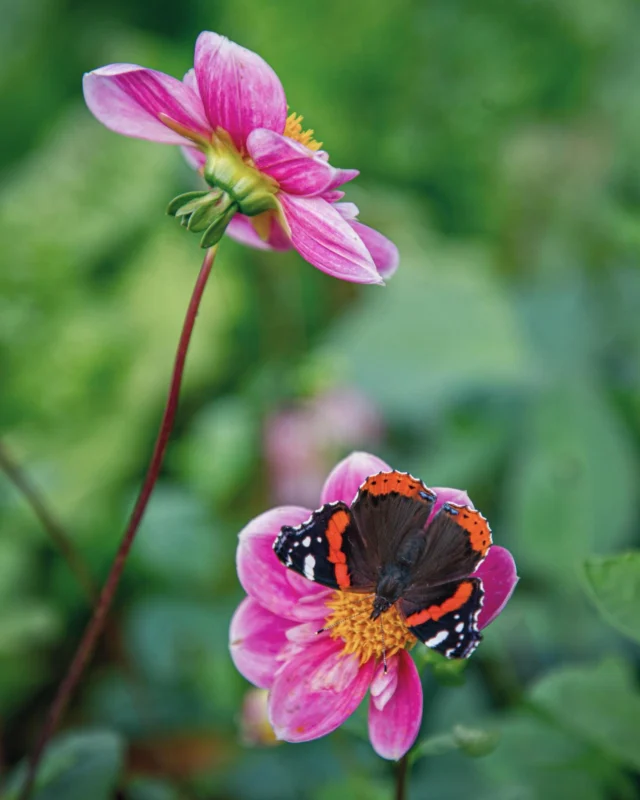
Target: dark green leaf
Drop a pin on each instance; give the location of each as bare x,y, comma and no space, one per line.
614,585
599,704
76,766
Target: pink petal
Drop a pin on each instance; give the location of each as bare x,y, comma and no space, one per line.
348,211
239,90
345,478
297,169
446,495
394,725
191,81
129,99
325,240
383,251
256,637
333,196
316,691
499,577
266,579
384,685
241,229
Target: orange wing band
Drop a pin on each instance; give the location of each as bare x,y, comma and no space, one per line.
336,528
456,601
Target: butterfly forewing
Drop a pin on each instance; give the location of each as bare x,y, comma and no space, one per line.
445,618
389,506
458,539
320,548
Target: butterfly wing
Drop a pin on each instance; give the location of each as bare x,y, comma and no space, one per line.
321,548
389,507
458,539
445,618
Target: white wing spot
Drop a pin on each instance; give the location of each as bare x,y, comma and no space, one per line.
309,567
306,542
437,639
460,627
319,540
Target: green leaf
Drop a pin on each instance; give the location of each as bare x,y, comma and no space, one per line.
614,585
442,329
539,761
574,452
76,766
600,705
472,742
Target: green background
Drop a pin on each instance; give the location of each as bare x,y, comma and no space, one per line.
499,147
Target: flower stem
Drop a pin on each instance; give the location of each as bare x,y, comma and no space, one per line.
401,777
96,623
17,475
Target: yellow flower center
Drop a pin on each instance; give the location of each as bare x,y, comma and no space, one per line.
293,129
351,621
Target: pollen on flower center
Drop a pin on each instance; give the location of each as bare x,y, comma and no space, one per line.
293,129
351,622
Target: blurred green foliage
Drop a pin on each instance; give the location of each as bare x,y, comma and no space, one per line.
499,145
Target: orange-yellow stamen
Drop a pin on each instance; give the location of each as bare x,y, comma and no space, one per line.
293,129
351,621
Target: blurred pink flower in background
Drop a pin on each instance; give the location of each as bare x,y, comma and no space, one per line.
313,683
274,185
303,441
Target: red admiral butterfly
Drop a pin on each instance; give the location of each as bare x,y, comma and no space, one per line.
383,544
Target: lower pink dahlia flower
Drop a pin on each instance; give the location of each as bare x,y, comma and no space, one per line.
316,680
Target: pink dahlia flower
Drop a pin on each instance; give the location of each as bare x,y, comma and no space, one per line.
230,116
316,681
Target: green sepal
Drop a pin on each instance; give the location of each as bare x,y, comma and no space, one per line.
177,206
475,742
203,217
214,232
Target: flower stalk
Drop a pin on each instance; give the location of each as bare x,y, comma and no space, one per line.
402,773
97,622
16,474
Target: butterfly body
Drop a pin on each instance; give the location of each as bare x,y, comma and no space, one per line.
389,544
396,576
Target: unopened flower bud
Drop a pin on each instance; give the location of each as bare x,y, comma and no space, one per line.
254,722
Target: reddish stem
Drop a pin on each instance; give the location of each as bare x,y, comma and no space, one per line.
96,623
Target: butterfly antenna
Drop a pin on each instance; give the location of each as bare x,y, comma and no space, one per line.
384,649
338,621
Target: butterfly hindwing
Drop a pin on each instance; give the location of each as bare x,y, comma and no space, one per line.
446,619
318,548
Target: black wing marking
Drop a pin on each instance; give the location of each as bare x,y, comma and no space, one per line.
446,619
320,548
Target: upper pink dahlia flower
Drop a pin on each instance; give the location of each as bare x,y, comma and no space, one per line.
274,187
316,681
